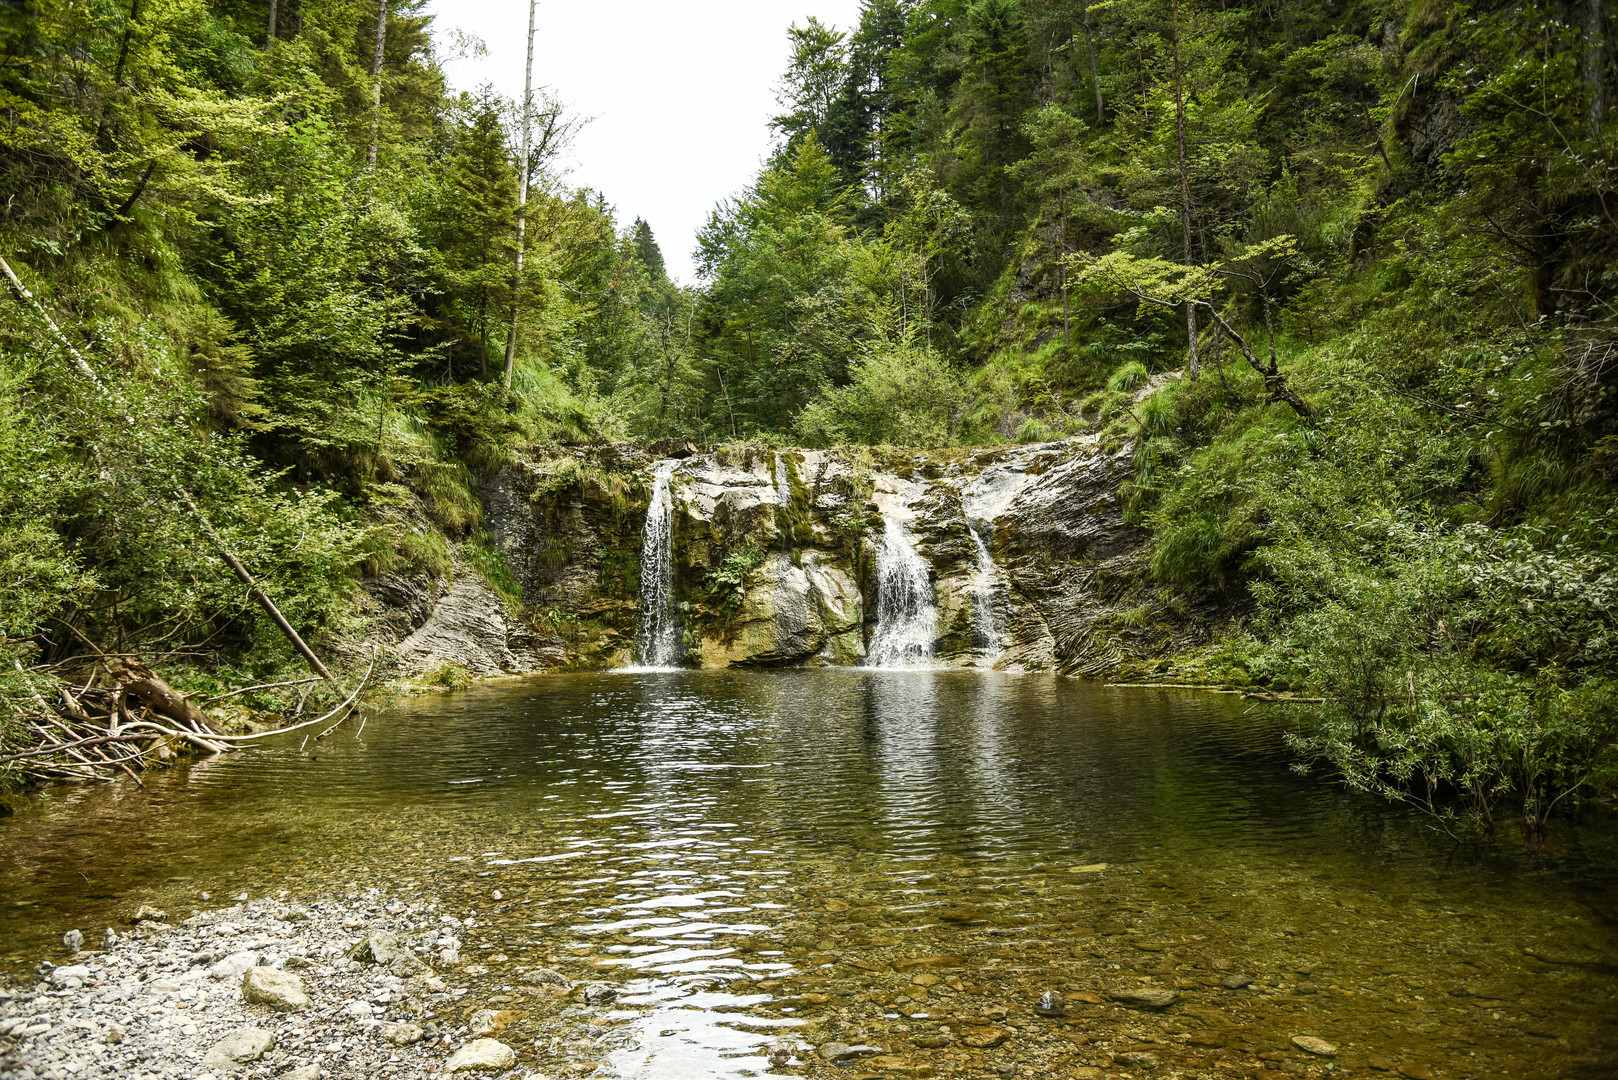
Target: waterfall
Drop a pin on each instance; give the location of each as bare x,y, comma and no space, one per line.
987,629
658,641
905,611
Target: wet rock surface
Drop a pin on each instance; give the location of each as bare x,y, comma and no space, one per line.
808,525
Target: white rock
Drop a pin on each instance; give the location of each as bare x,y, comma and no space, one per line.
358,1008
74,975
248,1044
303,1072
482,1055
234,966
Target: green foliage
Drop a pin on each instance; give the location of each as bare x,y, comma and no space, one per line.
728,584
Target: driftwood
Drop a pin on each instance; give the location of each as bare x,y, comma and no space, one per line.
125,717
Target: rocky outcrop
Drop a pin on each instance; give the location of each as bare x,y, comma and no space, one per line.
471,629
776,560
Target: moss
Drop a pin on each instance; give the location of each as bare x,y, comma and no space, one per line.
618,573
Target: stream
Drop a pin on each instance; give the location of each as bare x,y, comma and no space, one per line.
903,860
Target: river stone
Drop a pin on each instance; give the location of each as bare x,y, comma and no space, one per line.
303,1072
985,1038
401,1034
280,990
147,913
1310,1044
1236,982
482,1055
71,976
74,940
1138,1059
1415,1070
546,979
248,1044
1050,1003
836,1052
599,994
1145,997
234,966
382,947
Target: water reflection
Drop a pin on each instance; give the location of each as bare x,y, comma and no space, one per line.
755,855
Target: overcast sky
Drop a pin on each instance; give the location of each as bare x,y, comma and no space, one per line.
682,93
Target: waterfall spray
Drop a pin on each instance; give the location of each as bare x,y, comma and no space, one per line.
905,611
658,639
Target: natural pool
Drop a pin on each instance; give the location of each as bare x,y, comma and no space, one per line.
901,859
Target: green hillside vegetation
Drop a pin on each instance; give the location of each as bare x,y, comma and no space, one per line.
1343,273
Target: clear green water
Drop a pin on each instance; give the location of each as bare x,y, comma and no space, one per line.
747,854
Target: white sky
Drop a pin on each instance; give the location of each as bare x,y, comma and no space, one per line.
682,93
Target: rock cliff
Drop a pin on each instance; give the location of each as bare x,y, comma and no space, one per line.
1030,563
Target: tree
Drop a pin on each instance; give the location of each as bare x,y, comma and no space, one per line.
1177,286
814,77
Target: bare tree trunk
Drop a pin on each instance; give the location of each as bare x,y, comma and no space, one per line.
1061,232
1192,362
522,201
376,79
1595,63
269,38
1095,69
259,594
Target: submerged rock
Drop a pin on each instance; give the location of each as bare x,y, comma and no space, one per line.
1311,1045
1146,997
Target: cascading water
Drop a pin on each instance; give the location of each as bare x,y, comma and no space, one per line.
905,610
988,630
658,639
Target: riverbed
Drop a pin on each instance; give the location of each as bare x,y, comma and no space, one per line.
899,864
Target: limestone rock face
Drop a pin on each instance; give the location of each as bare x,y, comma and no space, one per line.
1032,566
470,628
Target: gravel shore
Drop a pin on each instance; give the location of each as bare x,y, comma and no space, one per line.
271,988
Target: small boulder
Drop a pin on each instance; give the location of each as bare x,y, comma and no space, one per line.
72,976
1050,1003
248,1044
600,994
401,1034
1236,982
382,948
985,1038
303,1072
74,940
482,1055
148,913
1311,1045
234,966
1146,997
109,940
280,990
